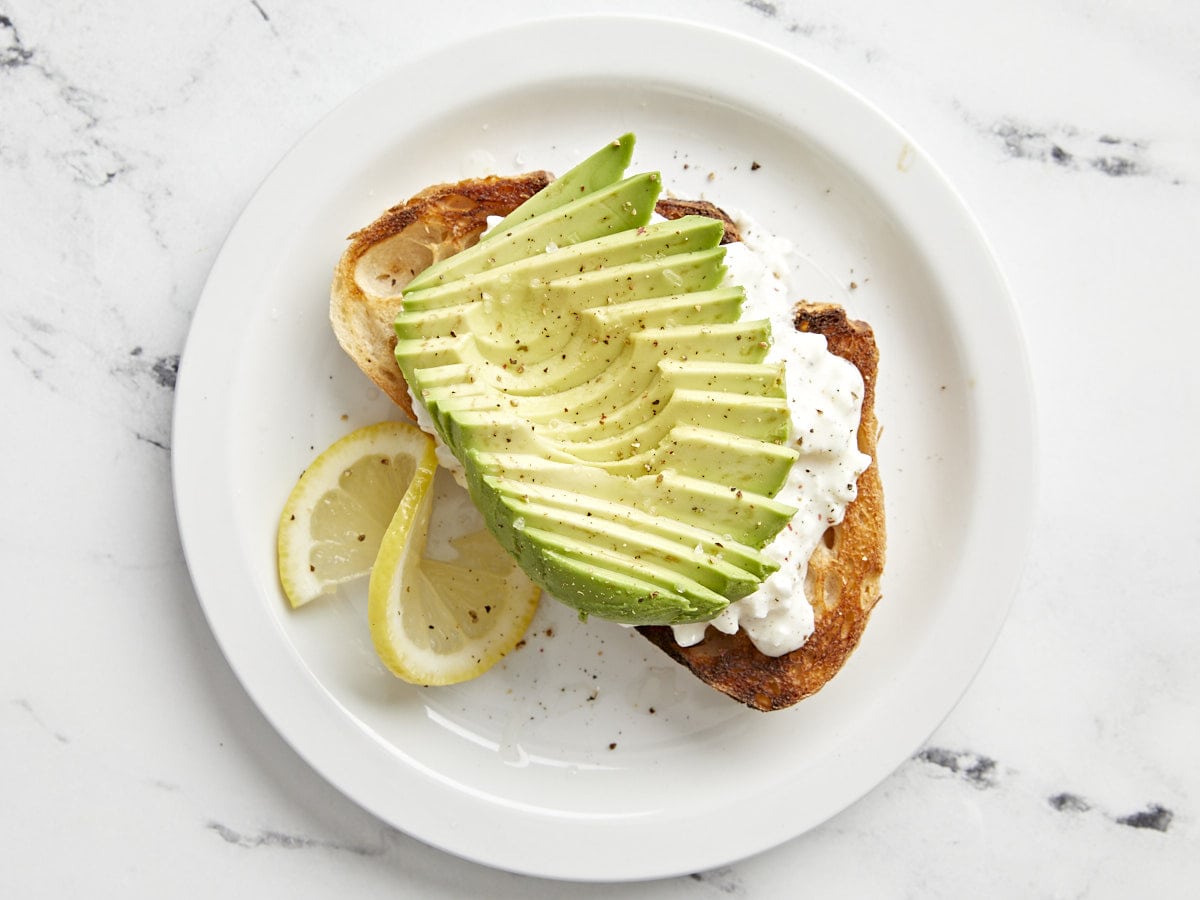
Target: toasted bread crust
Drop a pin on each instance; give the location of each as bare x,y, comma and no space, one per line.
674,208
843,583
843,573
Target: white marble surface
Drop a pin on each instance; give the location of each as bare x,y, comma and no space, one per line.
133,765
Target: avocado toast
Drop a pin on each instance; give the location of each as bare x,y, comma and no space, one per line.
619,426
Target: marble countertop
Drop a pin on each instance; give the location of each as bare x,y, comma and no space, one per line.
134,765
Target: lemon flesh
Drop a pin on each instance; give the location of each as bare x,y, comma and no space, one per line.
337,514
444,611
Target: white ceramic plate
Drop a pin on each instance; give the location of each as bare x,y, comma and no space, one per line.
588,754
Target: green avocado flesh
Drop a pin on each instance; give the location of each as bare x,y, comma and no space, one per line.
619,426
599,170
610,210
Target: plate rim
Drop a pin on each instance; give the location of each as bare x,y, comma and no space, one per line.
305,738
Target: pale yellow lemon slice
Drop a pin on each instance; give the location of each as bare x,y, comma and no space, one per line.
445,609
336,516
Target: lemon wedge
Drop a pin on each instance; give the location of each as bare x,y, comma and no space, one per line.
337,514
446,602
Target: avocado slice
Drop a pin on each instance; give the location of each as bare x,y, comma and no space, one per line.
625,382
610,210
756,465
517,282
585,356
644,393
744,463
612,585
605,406
694,308
690,538
639,374
514,288
600,169
709,569
699,270
477,404
761,418
765,418
726,511
618,425
759,379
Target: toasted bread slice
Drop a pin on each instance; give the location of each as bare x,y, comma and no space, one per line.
843,581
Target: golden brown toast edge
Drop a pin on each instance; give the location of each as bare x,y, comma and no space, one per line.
843,583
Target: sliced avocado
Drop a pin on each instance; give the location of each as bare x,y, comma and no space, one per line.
700,270
618,426
463,419
763,379
584,356
539,336
708,569
424,353
504,419
764,418
632,387
623,406
640,395
610,210
600,169
692,538
518,281
602,406
759,466
609,585
447,375
539,317
638,375
728,510
695,308
631,313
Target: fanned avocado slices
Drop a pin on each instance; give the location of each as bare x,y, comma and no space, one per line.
619,427
613,209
